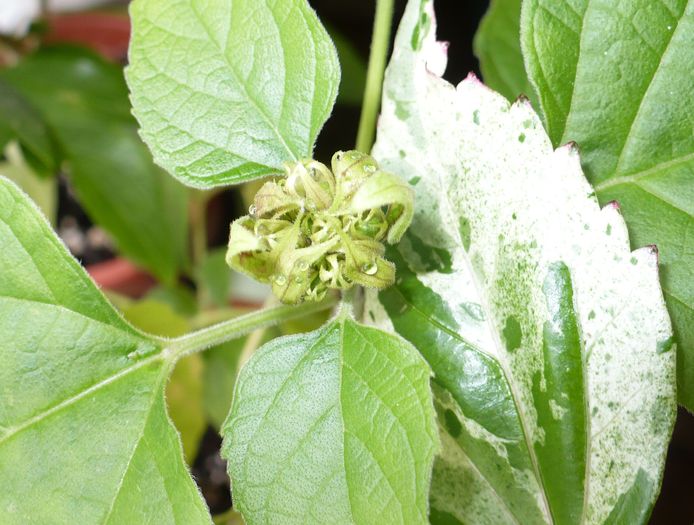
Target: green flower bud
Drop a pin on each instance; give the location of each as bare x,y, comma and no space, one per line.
319,229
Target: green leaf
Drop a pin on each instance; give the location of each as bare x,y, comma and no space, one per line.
616,78
335,426
227,92
498,48
353,69
84,435
86,105
184,388
544,332
43,191
19,120
214,276
219,376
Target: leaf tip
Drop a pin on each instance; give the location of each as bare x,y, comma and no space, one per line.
523,101
471,77
570,147
614,205
654,252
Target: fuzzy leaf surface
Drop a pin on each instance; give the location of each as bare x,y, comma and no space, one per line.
335,426
616,77
84,434
227,92
549,339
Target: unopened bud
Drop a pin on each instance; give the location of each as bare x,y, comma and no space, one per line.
320,229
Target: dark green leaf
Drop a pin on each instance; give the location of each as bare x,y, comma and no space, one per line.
19,120
616,78
498,48
87,107
353,66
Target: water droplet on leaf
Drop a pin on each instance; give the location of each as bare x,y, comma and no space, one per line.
370,268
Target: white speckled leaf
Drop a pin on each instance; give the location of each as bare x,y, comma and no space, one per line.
549,339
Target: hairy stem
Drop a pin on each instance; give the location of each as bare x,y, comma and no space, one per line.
380,42
240,326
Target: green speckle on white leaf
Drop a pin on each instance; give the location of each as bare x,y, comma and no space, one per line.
564,361
616,77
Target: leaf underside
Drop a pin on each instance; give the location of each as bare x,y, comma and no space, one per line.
616,77
84,435
227,92
335,426
549,340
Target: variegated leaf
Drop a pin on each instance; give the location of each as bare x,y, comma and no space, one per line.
549,339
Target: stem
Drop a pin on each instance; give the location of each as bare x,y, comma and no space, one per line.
380,42
240,326
198,226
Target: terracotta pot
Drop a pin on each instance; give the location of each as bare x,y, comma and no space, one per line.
121,276
106,33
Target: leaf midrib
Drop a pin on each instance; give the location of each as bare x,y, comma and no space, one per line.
124,372
438,325
243,86
503,365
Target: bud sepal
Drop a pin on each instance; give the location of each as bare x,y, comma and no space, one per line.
319,229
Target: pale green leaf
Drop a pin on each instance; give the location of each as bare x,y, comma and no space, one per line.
335,426
86,105
616,77
548,337
84,435
184,388
42,190
498,48
228,91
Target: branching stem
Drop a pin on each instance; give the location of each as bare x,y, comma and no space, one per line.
240,326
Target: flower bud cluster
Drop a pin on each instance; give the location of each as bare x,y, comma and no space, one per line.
319,229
